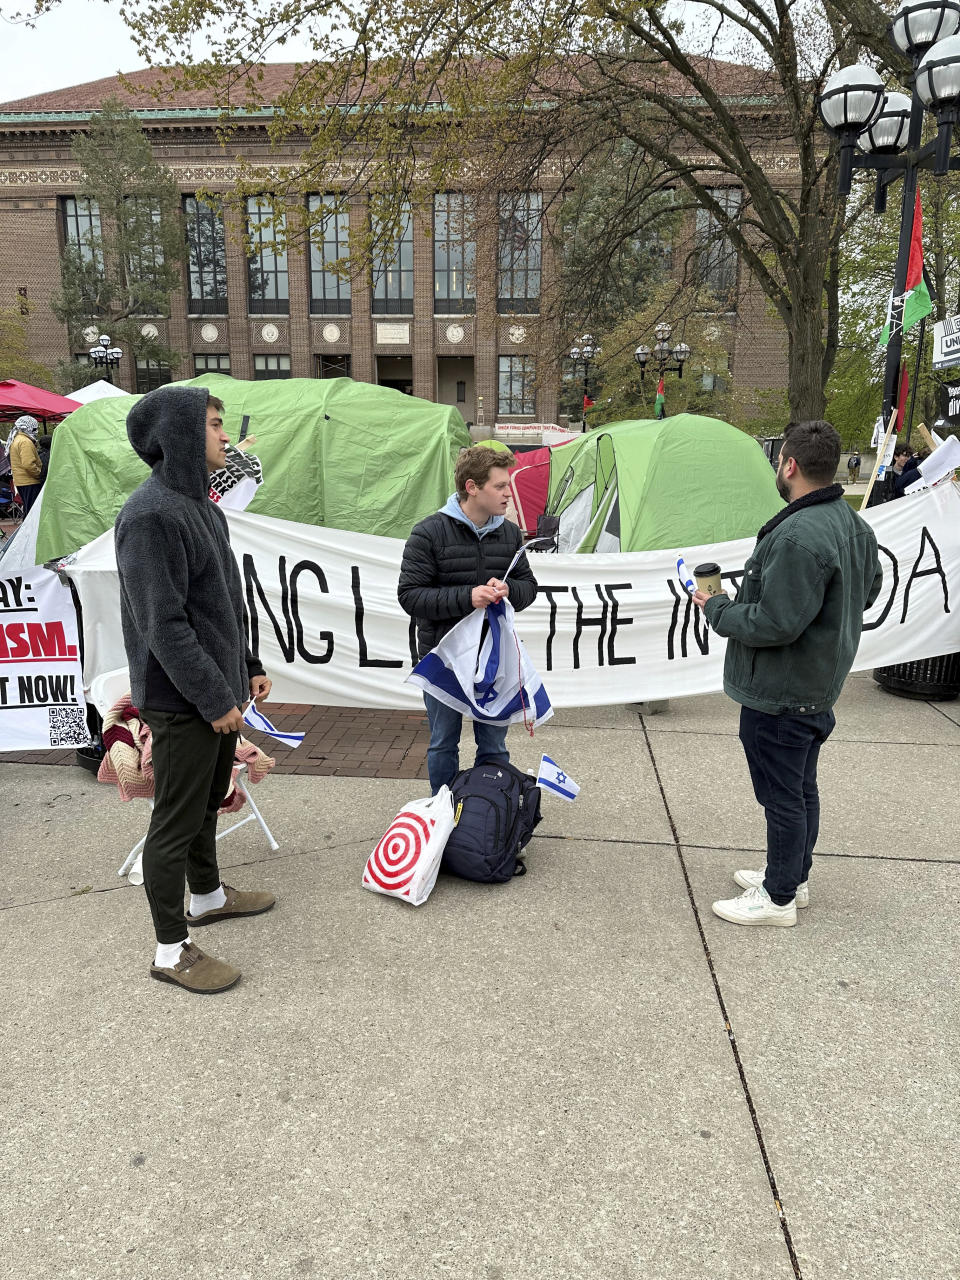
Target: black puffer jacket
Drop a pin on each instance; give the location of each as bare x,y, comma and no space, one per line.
443,560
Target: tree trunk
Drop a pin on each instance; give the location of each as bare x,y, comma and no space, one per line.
806,393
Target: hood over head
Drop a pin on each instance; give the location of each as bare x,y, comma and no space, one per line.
168,429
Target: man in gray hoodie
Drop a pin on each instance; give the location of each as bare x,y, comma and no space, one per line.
181,608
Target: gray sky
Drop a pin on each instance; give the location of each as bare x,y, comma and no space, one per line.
77,42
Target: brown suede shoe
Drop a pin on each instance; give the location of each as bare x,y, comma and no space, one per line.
238,903
197,972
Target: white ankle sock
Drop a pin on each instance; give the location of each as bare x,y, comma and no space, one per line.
201,902
168,953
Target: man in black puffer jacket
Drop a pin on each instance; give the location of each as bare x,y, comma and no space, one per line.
453,563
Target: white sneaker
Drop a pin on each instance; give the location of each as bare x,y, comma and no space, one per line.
755,906
754,880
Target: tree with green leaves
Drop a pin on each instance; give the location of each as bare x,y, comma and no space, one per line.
855,389
423,95
15,360
129,255
402,98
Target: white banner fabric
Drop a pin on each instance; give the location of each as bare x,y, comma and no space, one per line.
604,629
41,685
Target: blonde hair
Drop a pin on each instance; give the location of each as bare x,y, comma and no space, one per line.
476,463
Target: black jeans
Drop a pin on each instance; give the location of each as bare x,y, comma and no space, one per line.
191,769
28,492
782,752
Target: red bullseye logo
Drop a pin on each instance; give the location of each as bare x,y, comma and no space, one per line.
394,861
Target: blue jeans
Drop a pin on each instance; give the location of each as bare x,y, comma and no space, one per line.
782,753
443,754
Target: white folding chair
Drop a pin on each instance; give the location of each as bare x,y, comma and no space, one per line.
109,688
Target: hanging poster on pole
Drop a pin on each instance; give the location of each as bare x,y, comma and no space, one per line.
946,343
41,685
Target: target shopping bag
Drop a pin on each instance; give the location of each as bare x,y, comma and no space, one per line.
406,861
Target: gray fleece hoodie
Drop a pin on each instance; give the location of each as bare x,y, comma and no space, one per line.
181,596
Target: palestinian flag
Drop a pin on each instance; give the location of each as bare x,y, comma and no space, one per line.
916,300
660,404
587,402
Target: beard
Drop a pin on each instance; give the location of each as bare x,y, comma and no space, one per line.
782,489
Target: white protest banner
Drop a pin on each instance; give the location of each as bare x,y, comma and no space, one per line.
41,685
604,629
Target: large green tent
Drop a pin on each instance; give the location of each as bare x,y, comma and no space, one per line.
344,454
674,482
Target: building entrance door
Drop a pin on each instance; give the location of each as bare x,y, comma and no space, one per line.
396,372
456,384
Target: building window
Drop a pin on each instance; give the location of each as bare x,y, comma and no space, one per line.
207,258
517,395
454,254
83,242
333,366
267,367
269,282
210,364
81,227
150,375
717,265
520,252
143,251
393,272
329,244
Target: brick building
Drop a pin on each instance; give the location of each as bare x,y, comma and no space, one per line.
452,315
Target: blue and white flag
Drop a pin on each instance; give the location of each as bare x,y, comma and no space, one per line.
485,673
551,776
255,718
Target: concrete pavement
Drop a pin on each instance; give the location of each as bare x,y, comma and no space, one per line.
582,1074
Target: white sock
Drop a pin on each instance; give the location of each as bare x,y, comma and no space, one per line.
201,902
168,953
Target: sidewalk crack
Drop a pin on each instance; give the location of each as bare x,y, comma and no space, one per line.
731,1035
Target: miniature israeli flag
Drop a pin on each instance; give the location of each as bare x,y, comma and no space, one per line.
255,718
551,776
485,672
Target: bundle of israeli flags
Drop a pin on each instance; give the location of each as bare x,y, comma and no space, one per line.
255,718
485,675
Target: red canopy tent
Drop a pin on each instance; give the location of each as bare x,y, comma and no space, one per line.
530,486
19,397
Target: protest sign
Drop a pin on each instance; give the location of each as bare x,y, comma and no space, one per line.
41,686
611,628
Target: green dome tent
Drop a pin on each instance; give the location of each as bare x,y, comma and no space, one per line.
674,482
344,454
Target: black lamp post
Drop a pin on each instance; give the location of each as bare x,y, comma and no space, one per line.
882,131
586,352
662,353
105,357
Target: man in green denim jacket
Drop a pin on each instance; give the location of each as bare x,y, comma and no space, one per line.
792,636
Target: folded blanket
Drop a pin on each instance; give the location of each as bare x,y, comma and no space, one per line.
128,757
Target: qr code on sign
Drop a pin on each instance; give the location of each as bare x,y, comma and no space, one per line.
68,727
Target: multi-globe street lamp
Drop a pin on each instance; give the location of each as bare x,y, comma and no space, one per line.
882,130
662,353
103,356
585,351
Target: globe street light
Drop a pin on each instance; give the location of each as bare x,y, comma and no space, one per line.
585,351
105,357
882,131
662,353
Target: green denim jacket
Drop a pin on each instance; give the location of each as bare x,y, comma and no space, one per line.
794,628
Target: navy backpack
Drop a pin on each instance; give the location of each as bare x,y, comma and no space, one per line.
496,808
